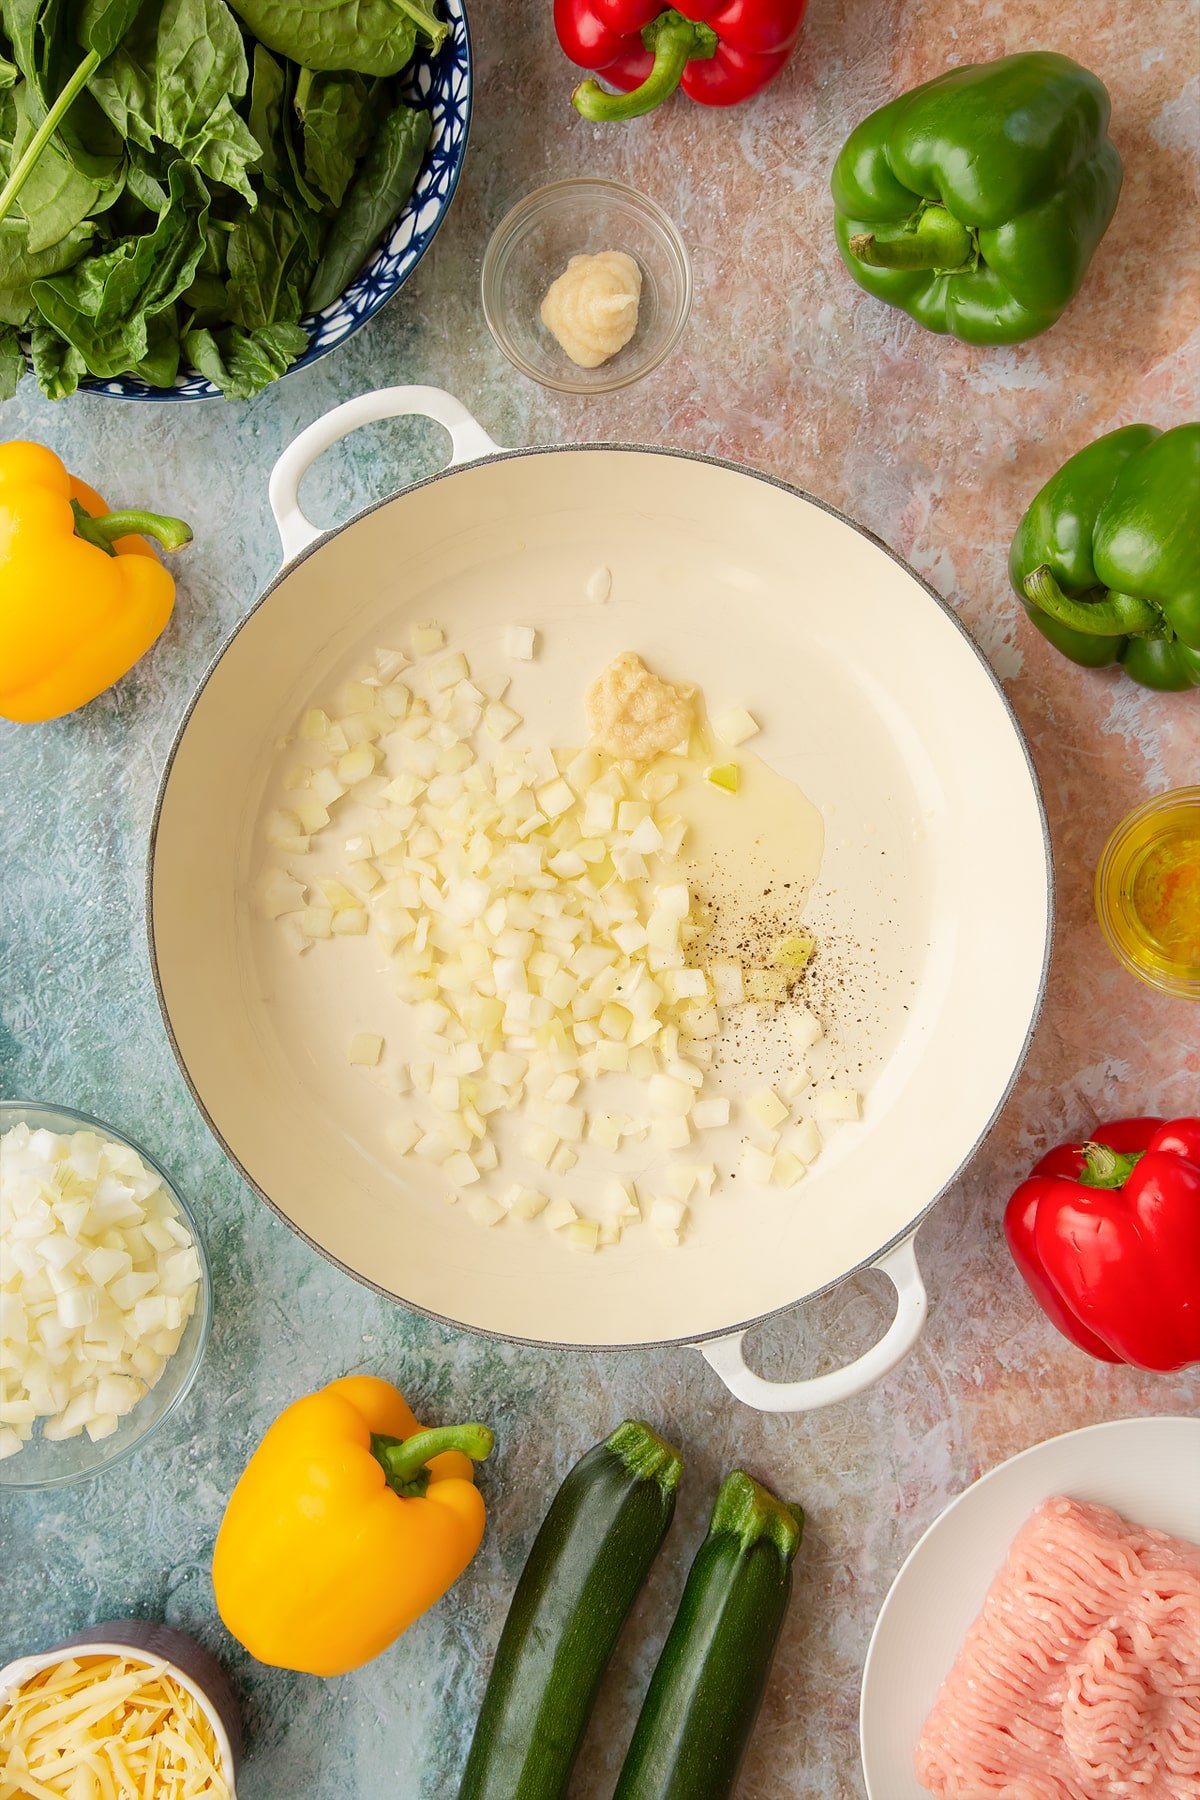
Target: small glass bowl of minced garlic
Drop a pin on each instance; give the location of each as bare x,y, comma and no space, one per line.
587,285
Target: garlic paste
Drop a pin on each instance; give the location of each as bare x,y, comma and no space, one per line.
633,715
592,307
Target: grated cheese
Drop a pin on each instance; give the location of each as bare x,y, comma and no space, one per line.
113,1727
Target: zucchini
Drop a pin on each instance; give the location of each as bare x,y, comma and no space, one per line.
705,1693
587,1565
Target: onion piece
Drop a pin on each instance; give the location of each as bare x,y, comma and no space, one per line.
519,642
527,1203
757,1165
766,1108
804,1028
735,725
787,1170
806,1142
838,1104
100,1279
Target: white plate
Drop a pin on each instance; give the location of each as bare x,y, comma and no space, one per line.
1146,1469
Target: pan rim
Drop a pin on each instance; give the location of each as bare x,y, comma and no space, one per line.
910,1229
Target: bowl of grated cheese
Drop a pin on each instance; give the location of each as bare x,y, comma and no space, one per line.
130,1706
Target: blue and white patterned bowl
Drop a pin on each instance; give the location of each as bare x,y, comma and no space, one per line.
442,82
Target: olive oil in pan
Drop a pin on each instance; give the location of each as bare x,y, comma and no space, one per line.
750,856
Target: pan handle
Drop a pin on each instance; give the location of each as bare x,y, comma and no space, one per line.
900,1266
468,440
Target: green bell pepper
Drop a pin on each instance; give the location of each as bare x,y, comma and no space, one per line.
976,201
1107,559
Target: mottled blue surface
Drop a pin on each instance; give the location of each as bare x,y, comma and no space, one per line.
786,366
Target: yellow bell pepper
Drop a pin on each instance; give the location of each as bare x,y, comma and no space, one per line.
349,1521
81,596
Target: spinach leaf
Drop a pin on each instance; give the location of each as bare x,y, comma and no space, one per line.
102,306
26,22
124,85
55,195
297,182
376,37
57,365
272,255
48,57
142,181
206,302
225,150
182,58
385,180
273,122
8,122
160,364
214,259
242,363
12,362
336,111
103,23
177,76
8,74
20,267
267,86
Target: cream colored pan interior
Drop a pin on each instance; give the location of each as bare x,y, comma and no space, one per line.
872,699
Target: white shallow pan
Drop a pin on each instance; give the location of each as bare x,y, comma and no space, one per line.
936,870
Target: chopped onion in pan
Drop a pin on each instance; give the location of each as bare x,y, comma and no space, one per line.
536,920
735,726
519,642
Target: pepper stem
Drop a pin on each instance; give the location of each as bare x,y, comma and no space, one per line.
403,1460
45,131
1104,1167
675,41
1117,615
933,239
103,532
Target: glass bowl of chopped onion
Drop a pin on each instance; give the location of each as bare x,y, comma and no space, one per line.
105,1295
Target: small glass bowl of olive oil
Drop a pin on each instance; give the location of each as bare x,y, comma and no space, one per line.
1148,892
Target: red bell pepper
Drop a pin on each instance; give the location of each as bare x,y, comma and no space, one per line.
1107,1234
719,52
